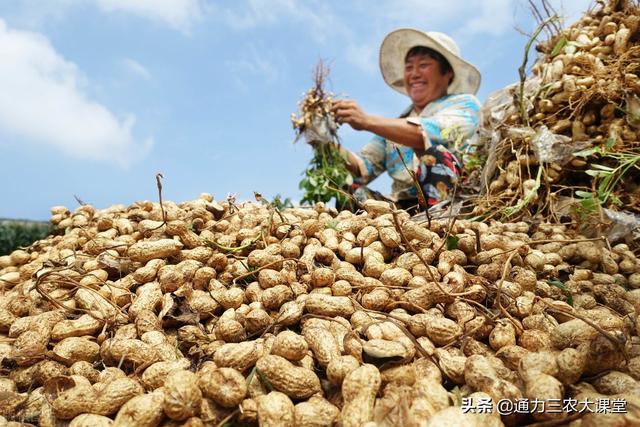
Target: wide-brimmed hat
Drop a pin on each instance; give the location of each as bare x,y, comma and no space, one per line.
397,44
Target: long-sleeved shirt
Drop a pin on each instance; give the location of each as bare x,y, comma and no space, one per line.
447,123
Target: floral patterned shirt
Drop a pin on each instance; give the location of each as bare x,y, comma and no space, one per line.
448,123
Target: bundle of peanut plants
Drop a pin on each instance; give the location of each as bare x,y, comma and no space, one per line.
566,140
327,176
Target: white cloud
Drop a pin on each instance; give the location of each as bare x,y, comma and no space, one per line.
465,21
42,101
37,14
486,17
257,13
417,14
364,56
253,64
178,14
136,68
495,17
315,15
480,17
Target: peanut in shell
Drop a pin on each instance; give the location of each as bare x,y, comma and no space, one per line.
339,367
275,410
240,356
331,306
84,325
114,394
128,350
273,298
74,349
182,397
322,343
359,390
91,420
290,345
144,410
295,382
74,401
147,250
315,412
225,386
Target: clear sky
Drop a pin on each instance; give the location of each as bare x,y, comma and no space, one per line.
97,96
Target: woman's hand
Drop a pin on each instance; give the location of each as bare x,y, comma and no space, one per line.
397,130
348,111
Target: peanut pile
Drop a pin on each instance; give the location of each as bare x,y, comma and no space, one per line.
207,313
574,130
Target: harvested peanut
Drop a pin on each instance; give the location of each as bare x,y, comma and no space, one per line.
295,382
226,386
145,410
182,397
275,409
359,391
290,345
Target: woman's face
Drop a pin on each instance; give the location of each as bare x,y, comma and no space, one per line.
423,80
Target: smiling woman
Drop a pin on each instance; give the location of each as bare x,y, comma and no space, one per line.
427,75
442,117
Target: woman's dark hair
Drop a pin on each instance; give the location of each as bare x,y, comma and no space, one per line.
435,55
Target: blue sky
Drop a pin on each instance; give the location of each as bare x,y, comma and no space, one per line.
97,96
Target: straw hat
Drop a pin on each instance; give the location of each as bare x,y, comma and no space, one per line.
394,49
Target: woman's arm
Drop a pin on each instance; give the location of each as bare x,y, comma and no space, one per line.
369,163
396,130
353,162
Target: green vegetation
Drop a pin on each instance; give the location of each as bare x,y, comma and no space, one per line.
279,203
606,178
558,284
327,176
17,234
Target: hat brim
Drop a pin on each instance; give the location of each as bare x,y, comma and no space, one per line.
395,47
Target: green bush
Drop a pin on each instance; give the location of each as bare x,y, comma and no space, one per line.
16,234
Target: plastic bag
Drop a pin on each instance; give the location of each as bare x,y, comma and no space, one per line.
322,129
633,110
549,147
617,225
504,102
500,105
624,224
